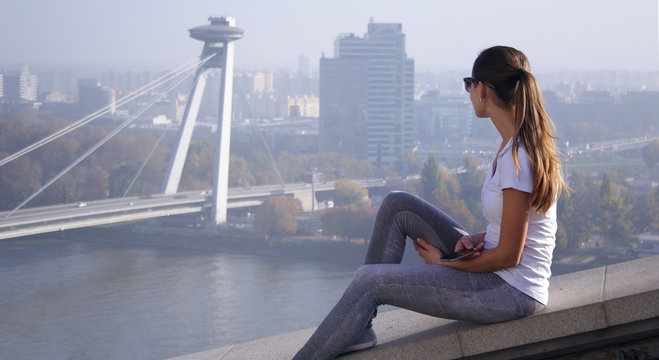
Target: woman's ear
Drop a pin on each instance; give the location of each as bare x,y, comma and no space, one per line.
481,91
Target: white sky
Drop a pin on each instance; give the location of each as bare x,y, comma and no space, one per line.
441,35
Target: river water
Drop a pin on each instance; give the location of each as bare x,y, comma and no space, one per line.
79,299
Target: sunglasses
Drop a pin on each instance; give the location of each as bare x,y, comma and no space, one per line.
471,81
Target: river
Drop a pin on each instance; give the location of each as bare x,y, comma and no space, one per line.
88,299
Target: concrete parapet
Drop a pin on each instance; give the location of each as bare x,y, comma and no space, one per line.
588,309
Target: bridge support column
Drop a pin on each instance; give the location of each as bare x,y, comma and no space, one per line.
223,140
218,40
180,151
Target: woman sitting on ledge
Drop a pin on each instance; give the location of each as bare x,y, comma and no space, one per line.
507,277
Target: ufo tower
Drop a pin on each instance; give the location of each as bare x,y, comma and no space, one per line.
218,39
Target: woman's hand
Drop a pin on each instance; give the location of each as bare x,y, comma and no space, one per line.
427,252
467,243
432,255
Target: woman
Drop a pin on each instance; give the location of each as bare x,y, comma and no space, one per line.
508,275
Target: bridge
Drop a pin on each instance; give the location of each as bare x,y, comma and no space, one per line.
61,217
617,145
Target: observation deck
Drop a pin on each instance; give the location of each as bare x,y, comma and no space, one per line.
219,31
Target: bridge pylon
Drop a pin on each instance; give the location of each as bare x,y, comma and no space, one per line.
218,39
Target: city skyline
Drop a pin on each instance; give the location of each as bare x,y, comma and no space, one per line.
557,35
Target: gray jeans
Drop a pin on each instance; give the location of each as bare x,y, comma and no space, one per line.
429,289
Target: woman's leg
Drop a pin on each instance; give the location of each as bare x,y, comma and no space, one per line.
403,215
400,215
429,289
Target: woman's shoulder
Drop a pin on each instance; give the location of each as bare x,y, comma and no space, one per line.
520,177
506,155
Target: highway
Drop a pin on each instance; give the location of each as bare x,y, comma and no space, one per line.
43,219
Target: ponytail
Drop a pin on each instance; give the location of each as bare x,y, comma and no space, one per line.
535,129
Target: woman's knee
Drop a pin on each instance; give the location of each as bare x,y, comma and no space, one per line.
396,197
365,276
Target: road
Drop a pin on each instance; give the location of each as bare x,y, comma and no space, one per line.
98,212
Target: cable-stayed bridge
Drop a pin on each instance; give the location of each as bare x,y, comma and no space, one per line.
217,53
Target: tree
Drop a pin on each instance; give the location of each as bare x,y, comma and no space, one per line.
198,171
471,182
349,222
337,166
652,205
276,216
576,211
444,190
333,222
92,180
408,163
613,218
291,167
57,156
18,180
429,177
348,192
61,191
651,154
119,179
239,172
450,202
561,237
362,222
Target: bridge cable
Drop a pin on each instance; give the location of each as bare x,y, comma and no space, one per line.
267,149
258,132
99,144
139,171
91,117
97,114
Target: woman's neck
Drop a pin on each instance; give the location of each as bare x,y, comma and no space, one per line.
504,122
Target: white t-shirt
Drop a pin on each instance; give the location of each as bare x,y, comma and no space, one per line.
531,275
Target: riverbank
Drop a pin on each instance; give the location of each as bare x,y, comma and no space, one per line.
231,241
315,249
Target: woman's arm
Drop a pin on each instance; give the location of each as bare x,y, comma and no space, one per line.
514,224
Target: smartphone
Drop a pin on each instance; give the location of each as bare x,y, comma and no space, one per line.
458,255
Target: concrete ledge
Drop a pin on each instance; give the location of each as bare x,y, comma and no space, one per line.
586,309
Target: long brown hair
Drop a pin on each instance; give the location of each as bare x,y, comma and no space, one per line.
508,70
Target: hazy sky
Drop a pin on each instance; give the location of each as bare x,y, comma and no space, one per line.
441,35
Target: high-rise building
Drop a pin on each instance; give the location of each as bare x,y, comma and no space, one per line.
28,86
91,96
303,106
367,96
12,87
302,65
443,119
16,87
